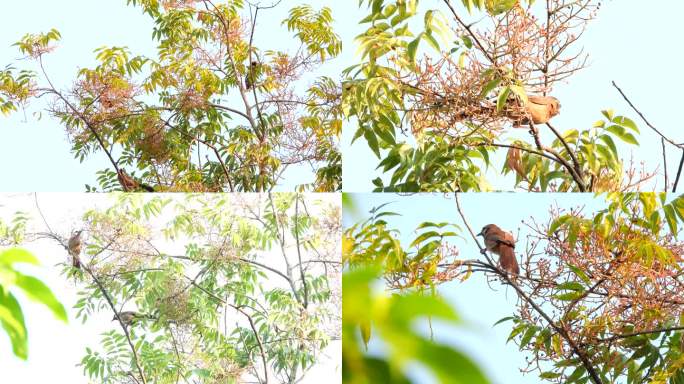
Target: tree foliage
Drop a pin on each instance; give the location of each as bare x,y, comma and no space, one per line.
222,288
188,119
600,294
439,90
13,280
371,250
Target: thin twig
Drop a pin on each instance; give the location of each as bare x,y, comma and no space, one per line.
679,172
258,340
662,142
647,332
299,252
571,153
678,145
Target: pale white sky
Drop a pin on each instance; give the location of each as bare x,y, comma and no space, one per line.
54,347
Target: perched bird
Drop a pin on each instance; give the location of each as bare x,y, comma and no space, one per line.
250,77
129,184
74,246
540,108
128,317
501,243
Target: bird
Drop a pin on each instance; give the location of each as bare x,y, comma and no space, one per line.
501,243
540,108
251,75
74,246
128,317
129,184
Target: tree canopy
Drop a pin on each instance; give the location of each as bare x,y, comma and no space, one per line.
210,111
439,92
204,288
599,293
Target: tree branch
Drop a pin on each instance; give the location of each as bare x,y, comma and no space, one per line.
560,330
647,332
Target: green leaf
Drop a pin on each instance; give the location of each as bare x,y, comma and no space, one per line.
671,217
568,296
12,320
556,343
527,336
626,122
610,143
577,374
406,307
503,320
556,224
365,332
37,290
444,361
429,224
17,255
651,359
431,40
520,92
503,98
608,113
412,48
372,141
571,286
580,273
497,7
622,134
466,41
490,86
516,331
424,236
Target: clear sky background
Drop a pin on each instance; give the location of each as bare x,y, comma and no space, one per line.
632,43
476,302
56,348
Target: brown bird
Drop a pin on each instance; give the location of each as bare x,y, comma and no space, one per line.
129,184
128,317
501,243
74,246
540,108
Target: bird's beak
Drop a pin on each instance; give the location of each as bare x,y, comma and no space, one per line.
480,234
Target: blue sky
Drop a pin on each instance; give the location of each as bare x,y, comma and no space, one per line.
478,303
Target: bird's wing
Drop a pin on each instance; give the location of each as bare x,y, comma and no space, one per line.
506,239
509,237
542,100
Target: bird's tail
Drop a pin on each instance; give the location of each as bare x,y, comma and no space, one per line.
508,261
